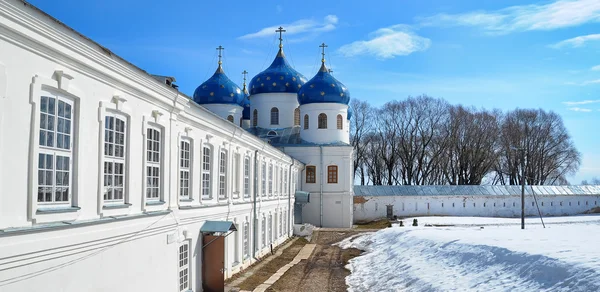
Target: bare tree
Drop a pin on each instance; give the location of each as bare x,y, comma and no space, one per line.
360,126
593,181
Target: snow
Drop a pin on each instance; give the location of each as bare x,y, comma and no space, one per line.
465,257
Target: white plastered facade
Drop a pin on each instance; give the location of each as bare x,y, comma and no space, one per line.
285,102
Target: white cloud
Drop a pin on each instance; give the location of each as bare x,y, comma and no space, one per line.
554,15
303,26
578,109
388,42
596,68
576,42
581,102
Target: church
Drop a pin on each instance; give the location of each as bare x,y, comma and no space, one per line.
113,180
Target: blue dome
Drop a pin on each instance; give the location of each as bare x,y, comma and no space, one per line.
323,88
218,89
245,104
279,77
350,112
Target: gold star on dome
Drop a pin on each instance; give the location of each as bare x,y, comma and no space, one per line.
258,79
262,84
204,87
341,94
268,77
332,85
274,84
212,94
302,94
312,86
287,84
299,85
222,86
293,78
322,93
280,77
231,94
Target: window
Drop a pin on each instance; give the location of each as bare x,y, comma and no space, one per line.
236,245
114,158
280,181
285,222
270,227
236,176
230,118
332,174
263,231
270,179
246,177
264,179
280,224
305,122
184,170
255,118
297,117
206,194
311,174
340,124
55,151
285,182
241,121
274,116
322,121
184,266
223,174
153,164
246,239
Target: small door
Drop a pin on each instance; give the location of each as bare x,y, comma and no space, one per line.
390,211
213,263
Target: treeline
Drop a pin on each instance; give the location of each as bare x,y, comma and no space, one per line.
427,141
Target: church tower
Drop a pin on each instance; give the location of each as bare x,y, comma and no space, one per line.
324,108
273,94
220,95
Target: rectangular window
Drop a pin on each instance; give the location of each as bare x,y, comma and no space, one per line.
270,179
246,240
263,232
285,182
153,163
264,179
270,228
184,267
184,170
280,181
246,177
285,222
332,174
311,174
223,175
114,158
236,176
55,151
280,224
206,194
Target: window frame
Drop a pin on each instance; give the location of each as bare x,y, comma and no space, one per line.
340,122
185,169
246,240
223,161
205,172
113,159
255,118
236,175
54,150
264,179
270,191
247,177
332,174
311,174
230,118
184,266
306,122
322,121
297,116
156,166
274,118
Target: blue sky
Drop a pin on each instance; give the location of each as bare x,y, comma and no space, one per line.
482,53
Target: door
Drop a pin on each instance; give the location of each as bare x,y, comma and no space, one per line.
390,211
213,263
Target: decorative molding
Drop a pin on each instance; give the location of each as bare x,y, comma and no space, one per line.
63,79
156,114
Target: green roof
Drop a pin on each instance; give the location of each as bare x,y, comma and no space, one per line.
217,226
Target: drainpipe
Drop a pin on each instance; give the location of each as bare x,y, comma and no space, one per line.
255,190
289,196
321,186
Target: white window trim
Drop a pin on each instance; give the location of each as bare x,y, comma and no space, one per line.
41,86
189,169
270,182
154,121
187,266
246,240
263,233
247,175
223,168
208,171
263,177
236,175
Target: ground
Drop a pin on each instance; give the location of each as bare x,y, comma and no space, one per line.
479,254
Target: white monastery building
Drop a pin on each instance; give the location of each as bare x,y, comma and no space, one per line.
113,180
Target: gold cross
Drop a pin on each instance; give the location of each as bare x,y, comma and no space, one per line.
245,73
220,48
323,46
280,30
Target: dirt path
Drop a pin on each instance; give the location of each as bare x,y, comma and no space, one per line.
324,270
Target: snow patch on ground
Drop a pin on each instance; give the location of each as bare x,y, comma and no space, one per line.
500,257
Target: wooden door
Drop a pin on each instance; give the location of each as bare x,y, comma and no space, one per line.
390,211
213,263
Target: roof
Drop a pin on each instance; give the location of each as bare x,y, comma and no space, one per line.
279,77
287,137
217,226
464,190
323,88
219,89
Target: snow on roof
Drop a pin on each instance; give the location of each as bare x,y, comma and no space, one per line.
448,190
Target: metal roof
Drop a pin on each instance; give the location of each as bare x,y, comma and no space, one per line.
463,190
217,226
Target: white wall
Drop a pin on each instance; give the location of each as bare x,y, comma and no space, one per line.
367,208
84,244
332,133
225,110
264,102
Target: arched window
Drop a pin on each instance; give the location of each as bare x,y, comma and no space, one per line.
230,118
305,122
255,118
274,116
297,117
340,123
322,121
332,174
